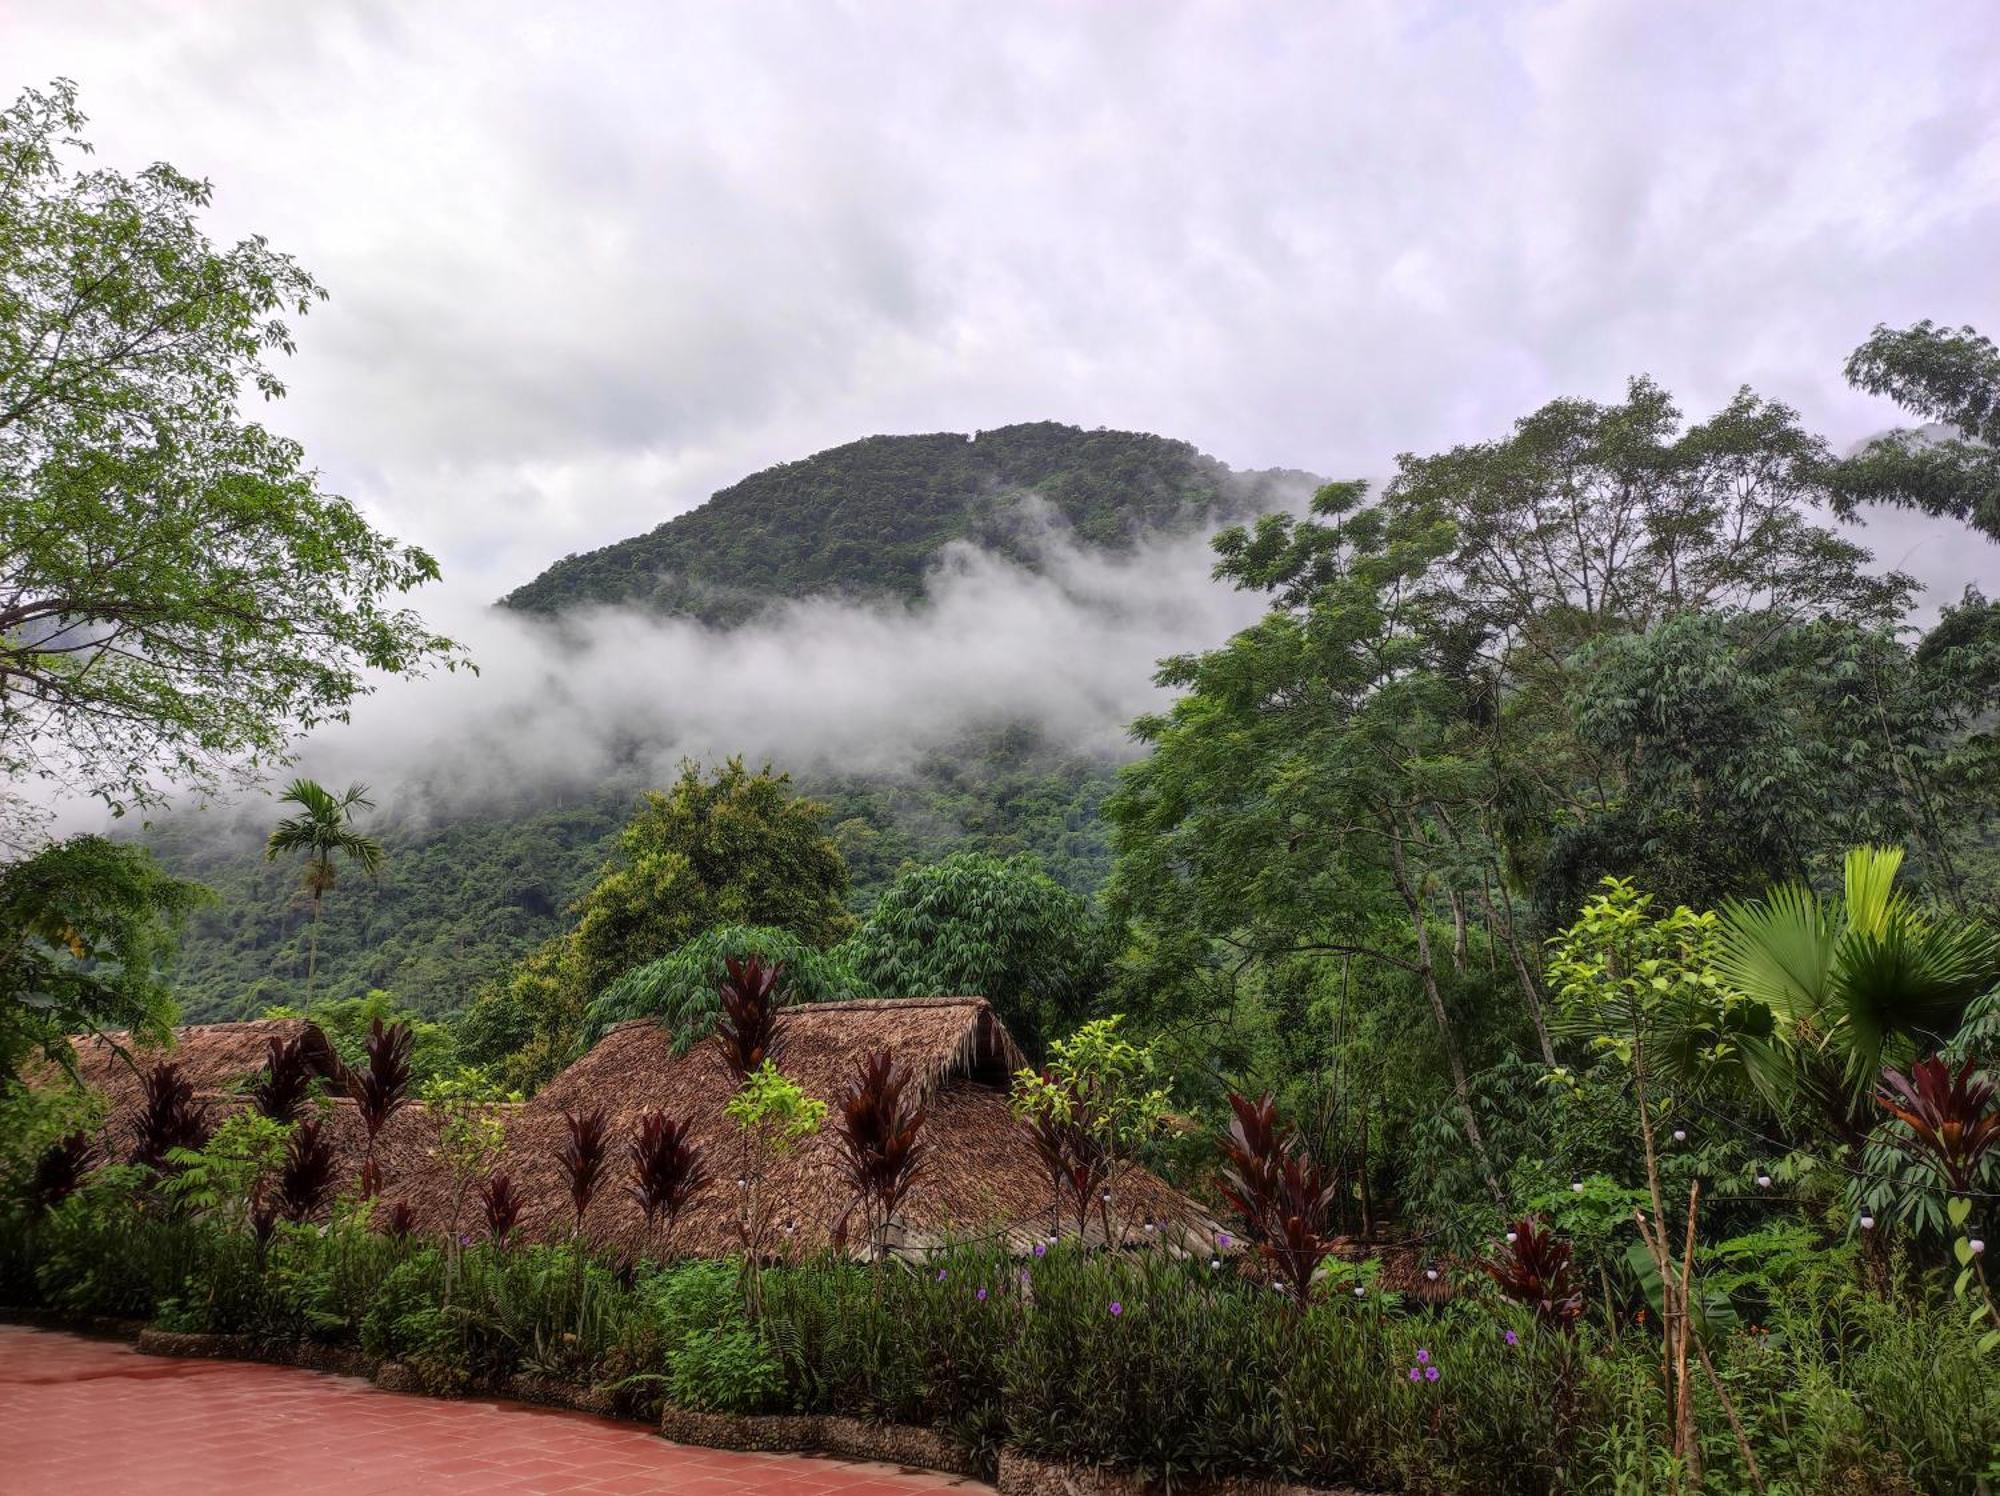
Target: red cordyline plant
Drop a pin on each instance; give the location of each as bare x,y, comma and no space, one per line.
1284,1196
379,1089
1951,1116
401,1220
882,1148
1533,1268
668,1170
281,1091
584,1152
1077,1164
750,998
502,1204
59,1171
305,1178
169,1118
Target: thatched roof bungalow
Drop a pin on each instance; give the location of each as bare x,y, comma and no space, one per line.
984,1178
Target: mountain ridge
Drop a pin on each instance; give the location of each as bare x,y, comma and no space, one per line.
867,519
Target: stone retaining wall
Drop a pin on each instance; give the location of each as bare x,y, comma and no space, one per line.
1028,1475
809,1433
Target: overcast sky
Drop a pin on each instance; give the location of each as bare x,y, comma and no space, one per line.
589,263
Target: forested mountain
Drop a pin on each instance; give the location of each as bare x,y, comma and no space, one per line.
459,902
867,519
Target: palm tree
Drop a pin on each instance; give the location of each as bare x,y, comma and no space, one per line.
1852,978
322,829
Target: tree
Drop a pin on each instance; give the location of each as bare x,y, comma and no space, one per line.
323,829
683,990
177,594
734,848
997,927
1952,379
1611,641
86,928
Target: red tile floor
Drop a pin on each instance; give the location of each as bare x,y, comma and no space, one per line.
82,1416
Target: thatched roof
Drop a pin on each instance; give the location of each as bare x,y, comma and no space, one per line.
216,1058
983,1178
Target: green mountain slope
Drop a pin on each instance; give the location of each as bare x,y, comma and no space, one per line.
867,519
459,902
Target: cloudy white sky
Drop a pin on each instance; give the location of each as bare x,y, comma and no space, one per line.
591,262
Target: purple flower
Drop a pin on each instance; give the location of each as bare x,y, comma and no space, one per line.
1430,1373
981,1295
1423,1356
940,1275
1222,1240
1041,1249
1416,1375
1512,1338
1116,1308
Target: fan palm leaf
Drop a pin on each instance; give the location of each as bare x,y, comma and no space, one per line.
1848,979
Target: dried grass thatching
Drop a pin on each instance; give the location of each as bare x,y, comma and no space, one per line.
219,1059
983,1180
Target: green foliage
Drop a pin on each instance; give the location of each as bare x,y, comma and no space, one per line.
1853,979
681,990
33,1117
346,1021
1001,929
1944,375
1100,1080
176,592
733,849
871,518
221,1178
1628,977
771,1107
85,928
729,1370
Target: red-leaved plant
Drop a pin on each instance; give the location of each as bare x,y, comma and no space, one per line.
668,1170
882,1148
282,1089
400,1221
169,1117
750,998
1534,1269
305,1178
1952,1120
1285,1197
379,1089
502,1204
59,1171
583,1154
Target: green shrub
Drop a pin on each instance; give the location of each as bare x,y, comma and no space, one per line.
728,1370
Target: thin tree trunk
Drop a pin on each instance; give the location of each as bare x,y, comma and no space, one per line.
312,949
1461,1082
1523,973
